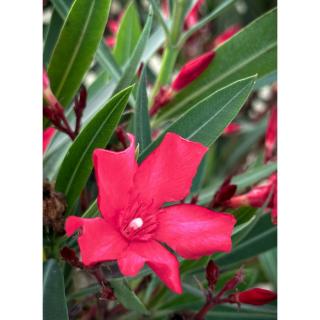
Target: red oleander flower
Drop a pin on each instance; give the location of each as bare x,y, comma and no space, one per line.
255,296
192,70
271,134
193,16
134,223
226,35
47,136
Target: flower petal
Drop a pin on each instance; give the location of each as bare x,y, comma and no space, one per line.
193,231
166,174
159,259
114,174
99,240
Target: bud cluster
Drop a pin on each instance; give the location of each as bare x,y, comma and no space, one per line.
55,112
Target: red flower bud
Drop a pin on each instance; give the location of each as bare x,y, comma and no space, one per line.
271,134
226,35
225,192
256,197
212,274
255,296
161,99
193,15
47,136
192,70
232,128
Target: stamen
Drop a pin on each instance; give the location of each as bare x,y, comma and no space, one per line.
136,223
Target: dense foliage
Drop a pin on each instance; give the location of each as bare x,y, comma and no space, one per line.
193,84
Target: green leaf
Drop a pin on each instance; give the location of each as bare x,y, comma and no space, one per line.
54,299
136,57
77,164
205,121
77,44
263,237
251,51
52,36
253,176
268,261
141,116
127,297
127,35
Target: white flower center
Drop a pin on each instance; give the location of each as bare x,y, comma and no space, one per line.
136,223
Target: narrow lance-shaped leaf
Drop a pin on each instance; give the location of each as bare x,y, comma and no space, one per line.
77,164
127,35
253,50
205,122
133,64
77,44
141,116
127,297
54,300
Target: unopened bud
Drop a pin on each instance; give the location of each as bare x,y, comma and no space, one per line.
226,35
193,16
192,70
161,99
255,296
212,274
225,193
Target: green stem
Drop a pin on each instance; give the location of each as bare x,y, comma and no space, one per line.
171,52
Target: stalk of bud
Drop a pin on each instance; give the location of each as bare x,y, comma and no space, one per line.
255,296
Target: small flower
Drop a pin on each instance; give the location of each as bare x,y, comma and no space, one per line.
192,70
193,16
134,223
232,128
47,137
255,296
226,35
271,135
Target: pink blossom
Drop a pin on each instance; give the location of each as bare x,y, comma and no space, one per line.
134,223
47,136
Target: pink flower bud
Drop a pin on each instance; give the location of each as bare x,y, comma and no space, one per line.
255,296
225,192
232,128
212,274
192,70
47,137
161,99
226,35
165,8
45,80
193,16
271,134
